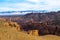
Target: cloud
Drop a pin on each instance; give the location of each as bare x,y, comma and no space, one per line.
19,6
5,9
50,5
47,4
53,4
35,1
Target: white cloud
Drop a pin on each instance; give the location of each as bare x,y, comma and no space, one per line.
50,5
36,1
6,9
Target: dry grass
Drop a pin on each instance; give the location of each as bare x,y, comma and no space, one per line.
9,33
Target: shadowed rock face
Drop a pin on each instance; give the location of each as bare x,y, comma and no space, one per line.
42,28
45,23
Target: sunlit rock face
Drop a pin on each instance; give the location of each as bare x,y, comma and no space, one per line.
33,32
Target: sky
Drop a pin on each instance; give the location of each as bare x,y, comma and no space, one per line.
18,5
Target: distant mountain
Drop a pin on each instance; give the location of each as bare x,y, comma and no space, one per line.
42,11
37,17
39,11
